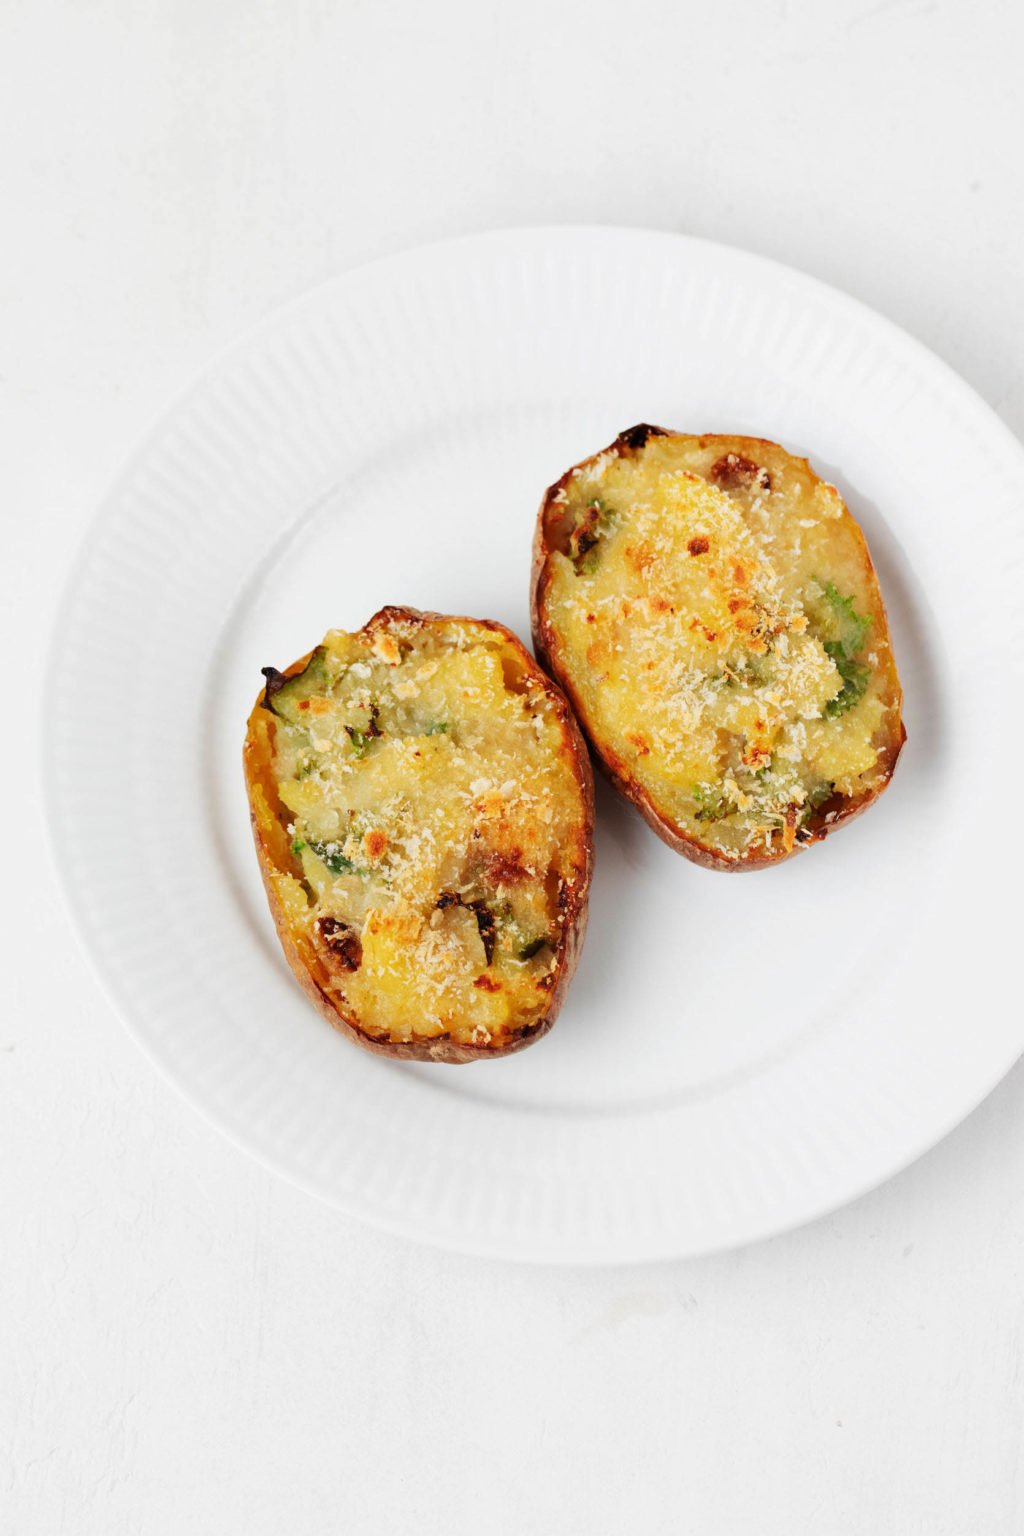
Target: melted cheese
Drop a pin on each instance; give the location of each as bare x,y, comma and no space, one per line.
435,815
695,632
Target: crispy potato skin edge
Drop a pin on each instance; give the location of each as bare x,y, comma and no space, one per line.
302,959
545,642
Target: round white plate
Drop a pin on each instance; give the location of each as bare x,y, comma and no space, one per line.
737,1055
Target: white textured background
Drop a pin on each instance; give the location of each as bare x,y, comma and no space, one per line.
186,1344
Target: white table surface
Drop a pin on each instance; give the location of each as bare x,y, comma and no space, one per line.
186,1343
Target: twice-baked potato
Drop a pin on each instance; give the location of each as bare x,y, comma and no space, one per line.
422,805
710,608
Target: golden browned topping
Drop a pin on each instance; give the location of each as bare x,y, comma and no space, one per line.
432,824
720,629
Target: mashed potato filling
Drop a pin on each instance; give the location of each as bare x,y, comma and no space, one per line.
434,818
722,625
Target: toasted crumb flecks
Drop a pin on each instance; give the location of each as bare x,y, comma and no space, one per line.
723,640
423,815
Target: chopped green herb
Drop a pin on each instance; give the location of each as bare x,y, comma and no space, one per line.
438,728
297,846
331,855
712,803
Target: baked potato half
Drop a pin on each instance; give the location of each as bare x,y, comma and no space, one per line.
710,608
422,806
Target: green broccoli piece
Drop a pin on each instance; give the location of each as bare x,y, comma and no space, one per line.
851,630
712,803
855,676
852,626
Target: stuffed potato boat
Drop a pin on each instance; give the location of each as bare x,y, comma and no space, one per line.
422,807
711,610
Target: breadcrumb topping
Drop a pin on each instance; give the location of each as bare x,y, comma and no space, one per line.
436,818
714,621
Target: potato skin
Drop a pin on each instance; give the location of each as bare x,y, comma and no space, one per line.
273,854
834,813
